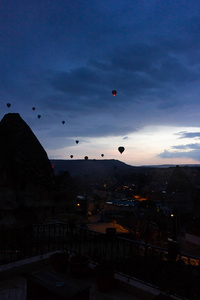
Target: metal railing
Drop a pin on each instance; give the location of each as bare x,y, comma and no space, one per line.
143,262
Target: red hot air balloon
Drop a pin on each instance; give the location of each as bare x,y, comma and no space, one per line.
114,92
71,156
8,105
33,108
121,149
77,142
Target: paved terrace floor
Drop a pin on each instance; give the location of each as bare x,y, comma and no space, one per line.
13,282
15,289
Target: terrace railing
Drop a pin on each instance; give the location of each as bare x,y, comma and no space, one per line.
143,262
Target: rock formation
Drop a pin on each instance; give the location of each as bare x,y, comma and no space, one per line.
28,190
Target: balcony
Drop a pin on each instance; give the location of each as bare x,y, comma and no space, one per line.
15,277
141,270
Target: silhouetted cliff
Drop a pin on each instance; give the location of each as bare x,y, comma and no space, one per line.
25,159
28,188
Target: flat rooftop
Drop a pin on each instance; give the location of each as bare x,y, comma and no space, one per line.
101,227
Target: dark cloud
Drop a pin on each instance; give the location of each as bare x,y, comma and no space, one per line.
186,135
80,82
194,154
156,62
66,57
139,70
187,146
52,144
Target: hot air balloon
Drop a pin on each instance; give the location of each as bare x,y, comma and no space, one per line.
77,142
71,156
39,116
8,105
121,149
63,122
102,155
86,157
33,108
114,92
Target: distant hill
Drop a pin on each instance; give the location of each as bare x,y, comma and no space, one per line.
96,170
100,171
173,166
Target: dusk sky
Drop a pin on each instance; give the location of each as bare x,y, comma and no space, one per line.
65,57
